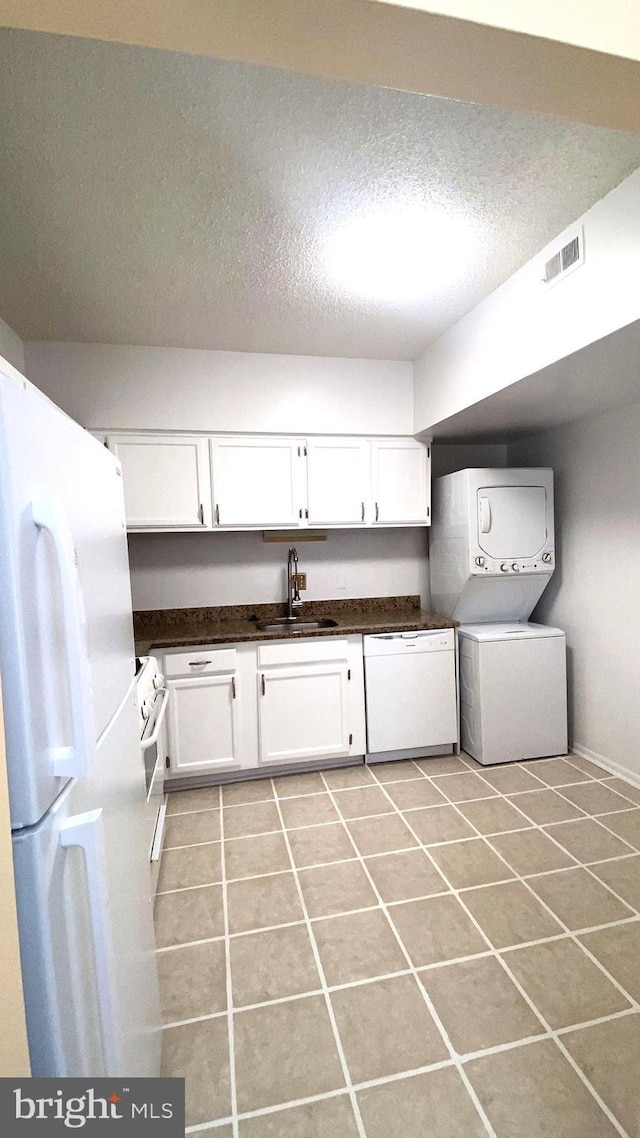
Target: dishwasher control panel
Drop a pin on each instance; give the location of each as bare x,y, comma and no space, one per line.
420,640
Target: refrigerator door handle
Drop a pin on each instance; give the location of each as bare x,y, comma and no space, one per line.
75,760
85,831
485,515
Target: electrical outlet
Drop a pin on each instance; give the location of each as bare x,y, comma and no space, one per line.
302,581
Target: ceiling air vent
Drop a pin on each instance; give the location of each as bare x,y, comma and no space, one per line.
565,260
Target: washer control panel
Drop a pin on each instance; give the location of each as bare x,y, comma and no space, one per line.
482,566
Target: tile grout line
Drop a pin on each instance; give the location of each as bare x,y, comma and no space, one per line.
551,1032
587,780
467,768
576,862
426,998
407,849
398,1076
420,968
572,934
355,1106
633,918
229,984
523,880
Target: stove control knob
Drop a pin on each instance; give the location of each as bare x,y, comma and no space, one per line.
158,680
546,557
515,567
145,710
504,568
480,561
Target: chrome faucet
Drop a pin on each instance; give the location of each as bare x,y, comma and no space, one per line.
293,592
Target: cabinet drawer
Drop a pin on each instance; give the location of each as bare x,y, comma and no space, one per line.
303,651
200,662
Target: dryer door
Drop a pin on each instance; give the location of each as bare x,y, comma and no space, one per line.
511,521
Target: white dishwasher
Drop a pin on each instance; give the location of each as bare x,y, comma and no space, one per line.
411,694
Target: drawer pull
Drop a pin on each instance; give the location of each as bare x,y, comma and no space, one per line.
199,663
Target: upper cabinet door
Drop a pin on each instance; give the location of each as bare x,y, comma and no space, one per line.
401,482
258,482
338,482
166,481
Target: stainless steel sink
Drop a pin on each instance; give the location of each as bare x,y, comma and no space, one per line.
297,625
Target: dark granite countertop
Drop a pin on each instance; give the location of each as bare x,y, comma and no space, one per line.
171,628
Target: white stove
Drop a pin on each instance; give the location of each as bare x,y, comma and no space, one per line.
153,700
149,684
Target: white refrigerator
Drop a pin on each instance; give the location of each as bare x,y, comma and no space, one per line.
76,778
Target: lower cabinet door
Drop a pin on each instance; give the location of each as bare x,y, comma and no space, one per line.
303,712
204,724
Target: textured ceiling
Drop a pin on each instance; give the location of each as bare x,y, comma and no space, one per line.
156,198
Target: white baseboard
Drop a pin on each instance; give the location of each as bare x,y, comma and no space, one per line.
629,776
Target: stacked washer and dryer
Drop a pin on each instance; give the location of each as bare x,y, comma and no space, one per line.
491,557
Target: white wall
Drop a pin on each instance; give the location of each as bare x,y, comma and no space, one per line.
594,593
523,327
186,389
185,570
11,346
448,457
613,27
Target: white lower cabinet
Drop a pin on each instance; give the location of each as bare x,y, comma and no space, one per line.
303,712
204,724
272,704
205,712
310,700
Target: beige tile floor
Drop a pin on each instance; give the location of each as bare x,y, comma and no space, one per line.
418,948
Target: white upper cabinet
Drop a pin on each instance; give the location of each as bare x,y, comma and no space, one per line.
338,482
226,482
258,482
401,483
166,480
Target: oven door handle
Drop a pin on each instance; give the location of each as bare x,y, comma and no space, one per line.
153,738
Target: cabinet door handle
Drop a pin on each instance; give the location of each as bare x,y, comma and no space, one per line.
233,687
217,514
300,512
362,519
306,513
377,512
264,690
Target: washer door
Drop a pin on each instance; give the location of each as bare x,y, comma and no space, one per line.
511,521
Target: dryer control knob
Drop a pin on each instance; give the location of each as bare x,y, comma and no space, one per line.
504,567
515,567
546,557
480,561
